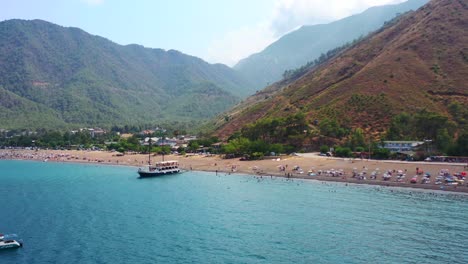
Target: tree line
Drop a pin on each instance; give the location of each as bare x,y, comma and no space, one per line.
275,135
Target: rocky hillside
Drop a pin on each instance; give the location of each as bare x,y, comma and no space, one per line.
419,61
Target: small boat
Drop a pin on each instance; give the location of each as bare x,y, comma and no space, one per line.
4,244
7,242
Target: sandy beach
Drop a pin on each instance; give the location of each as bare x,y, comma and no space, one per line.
283,166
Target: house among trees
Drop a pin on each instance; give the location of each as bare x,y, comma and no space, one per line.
96,132
3,132
159,141
93,132
171,142
147,132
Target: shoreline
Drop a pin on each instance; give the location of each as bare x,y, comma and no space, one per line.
261,168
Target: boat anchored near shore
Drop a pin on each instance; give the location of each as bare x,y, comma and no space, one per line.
160,168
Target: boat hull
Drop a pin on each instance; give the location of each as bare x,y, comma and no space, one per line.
147,174
10,244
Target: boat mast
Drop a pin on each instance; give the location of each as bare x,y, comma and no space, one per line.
162,148
149,151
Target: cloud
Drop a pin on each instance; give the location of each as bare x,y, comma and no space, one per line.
93,2
290,14
287,16
237,44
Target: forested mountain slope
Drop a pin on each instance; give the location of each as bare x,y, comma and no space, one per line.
54,76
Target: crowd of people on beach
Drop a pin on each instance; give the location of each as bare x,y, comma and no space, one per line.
46,156
40,156
394,176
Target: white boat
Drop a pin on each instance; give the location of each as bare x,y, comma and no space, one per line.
160,168
4,244
7,242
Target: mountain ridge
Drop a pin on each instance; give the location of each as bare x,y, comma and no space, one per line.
308,42
84,79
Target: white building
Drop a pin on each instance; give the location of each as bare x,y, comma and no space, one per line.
399,146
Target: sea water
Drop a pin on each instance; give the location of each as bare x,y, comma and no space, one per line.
74,213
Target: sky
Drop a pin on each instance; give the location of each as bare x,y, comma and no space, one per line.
218,31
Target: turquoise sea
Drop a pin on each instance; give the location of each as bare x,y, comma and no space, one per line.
73,213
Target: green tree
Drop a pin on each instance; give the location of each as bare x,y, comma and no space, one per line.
460,147
443,140
331,128
165,150
427,124
237,146
357,139
343,152
133,140
324,149
193,146
276,148
380,153
401,127
258,146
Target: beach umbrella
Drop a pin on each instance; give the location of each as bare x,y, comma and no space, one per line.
463,173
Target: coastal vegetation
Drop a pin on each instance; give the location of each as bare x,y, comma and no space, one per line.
273,136
297,134
48,139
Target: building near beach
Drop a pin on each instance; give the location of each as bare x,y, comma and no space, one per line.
403,146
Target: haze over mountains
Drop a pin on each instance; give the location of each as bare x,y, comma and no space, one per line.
417,62
309,42
51,76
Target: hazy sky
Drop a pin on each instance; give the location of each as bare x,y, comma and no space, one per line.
222,31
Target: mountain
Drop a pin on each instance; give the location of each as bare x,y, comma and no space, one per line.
53,76
309,42
417,62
